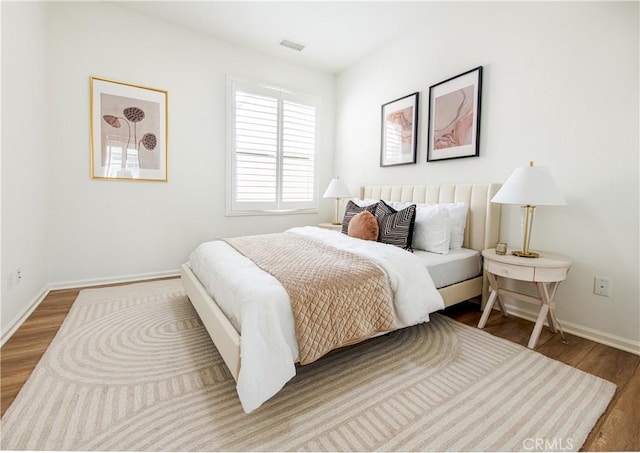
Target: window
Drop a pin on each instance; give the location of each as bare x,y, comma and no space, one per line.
272,149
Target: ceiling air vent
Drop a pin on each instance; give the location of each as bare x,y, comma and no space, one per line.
291,44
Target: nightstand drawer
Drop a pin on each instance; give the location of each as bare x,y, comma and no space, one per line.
511,271
550,274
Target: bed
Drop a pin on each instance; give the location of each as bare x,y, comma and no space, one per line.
481,231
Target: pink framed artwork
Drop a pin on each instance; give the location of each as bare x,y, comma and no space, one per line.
399,131
454,117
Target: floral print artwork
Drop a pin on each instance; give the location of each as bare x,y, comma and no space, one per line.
131,125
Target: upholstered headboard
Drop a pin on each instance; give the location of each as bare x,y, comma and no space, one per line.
483,220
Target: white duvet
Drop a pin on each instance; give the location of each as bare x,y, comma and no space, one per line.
259,308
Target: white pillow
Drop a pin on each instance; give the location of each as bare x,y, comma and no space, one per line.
365,202
457,215
400,205
432,229
458,220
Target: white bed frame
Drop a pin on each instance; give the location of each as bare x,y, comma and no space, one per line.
482,231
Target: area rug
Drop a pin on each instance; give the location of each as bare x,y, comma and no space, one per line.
132,368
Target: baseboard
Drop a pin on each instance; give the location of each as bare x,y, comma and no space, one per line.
19,320
22,317
113,280
615,341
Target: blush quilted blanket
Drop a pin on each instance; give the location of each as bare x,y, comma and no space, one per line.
337,297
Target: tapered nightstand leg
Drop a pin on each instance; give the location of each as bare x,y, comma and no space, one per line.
538,327
559,326
487,309
494,287
501,306
551,321
547,292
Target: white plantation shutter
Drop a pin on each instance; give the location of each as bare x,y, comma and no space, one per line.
256,148
298,153
272,136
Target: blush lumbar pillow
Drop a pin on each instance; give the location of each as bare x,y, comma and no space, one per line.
363,226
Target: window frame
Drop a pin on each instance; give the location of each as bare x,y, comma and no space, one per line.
278,207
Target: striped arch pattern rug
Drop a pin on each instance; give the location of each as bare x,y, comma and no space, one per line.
132,368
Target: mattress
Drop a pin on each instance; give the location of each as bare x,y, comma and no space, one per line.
455,267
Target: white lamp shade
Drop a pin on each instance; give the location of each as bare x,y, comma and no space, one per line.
530,186
337,189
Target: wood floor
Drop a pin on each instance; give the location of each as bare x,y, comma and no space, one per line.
617,430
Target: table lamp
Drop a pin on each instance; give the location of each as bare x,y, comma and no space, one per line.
529,187
337,189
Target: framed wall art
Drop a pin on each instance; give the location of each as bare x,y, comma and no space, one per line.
399,131
128,131
454,117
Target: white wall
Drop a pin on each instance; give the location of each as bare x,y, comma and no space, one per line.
25,156
560,88
107,229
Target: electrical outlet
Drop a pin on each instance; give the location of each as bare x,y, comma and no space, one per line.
601,286
14,278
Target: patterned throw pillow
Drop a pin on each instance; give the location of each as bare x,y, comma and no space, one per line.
353,209
395,227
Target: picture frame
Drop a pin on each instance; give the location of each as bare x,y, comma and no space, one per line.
454,117
128,117
399,131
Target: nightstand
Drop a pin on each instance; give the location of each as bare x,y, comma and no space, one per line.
546,272
331,226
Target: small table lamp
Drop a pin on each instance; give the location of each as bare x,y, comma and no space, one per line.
337,189
529,187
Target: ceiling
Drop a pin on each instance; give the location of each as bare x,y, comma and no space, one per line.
336,34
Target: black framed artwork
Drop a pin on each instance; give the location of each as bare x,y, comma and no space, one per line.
454,117
399,136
